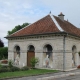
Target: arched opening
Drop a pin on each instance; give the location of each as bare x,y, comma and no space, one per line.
47,56
31,48
74,56
30,54
16,54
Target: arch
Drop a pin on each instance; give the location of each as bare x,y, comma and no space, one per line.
28,46
47,43
47,49
16,54
47,55
31,48
30,54
74,49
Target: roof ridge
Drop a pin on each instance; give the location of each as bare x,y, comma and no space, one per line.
56,23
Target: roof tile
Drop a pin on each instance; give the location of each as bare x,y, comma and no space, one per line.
47,25
44,25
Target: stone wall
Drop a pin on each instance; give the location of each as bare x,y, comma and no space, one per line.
57,44
70,42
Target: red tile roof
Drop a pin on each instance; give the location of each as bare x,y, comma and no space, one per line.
68,27
44,25
47,25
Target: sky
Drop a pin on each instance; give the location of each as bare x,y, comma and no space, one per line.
17,12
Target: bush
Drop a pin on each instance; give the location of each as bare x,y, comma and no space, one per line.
34,61
3,52
4,70
10,63
0,65
14,69
4,66
24,68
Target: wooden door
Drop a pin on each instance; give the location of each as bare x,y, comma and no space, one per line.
30,55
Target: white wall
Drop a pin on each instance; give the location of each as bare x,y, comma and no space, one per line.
57,44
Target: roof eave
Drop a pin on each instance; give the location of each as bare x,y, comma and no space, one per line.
36,34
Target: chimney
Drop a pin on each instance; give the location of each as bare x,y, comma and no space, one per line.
61,16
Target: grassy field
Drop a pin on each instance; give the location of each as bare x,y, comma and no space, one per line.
26,73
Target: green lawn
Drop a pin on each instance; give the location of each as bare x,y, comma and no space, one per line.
25,73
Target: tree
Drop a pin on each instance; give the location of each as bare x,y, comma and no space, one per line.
18,27
1,43
3,52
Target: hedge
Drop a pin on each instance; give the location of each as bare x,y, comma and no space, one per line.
3,52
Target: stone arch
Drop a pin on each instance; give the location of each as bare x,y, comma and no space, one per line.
47,44
74,50
47,55
31,48
17,54
30,54
28,46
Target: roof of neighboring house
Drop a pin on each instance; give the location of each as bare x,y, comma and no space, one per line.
48,24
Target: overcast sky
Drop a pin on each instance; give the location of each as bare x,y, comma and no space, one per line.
15,12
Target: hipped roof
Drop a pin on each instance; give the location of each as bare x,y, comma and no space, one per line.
48,24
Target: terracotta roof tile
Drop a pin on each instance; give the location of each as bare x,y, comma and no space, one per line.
68,27
47,25
44,25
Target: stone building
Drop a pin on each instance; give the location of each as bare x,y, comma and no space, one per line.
53,40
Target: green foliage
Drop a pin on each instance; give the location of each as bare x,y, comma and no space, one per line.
18,27
34,61
14,69
4,70
0,65
24,68
3,52
10,63
1,43
26,73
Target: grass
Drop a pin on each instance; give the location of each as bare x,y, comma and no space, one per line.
26,73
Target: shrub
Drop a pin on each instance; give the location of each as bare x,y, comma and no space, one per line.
24,68
2,66
10,63
4,70
34,61
14,69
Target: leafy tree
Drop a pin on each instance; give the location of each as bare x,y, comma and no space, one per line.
1,43
18,27
3,52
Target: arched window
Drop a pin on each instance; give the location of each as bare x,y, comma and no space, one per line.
17,50
73,56
16,55
74,49
48,50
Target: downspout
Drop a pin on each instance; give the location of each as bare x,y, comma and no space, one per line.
64,60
